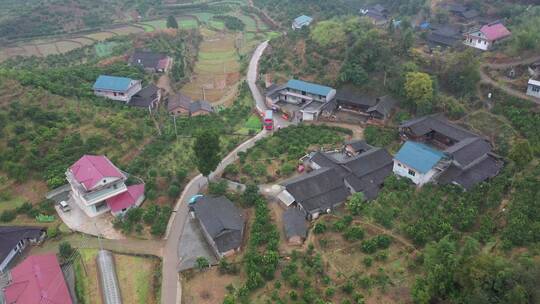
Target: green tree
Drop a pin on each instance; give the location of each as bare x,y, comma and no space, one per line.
521,153
206,150
202,263
171,22
461,72
65,250
419,91
328,33
355,204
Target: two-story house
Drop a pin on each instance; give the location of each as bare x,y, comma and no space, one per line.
98,186
310,98
116,88
487,36
418,162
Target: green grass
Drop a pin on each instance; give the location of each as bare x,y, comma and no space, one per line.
142,288
158,24
250,23
254,123
11,203
204,17
105,49
188,24
216,24
229,55
147,27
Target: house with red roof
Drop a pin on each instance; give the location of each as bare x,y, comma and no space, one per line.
98,186
37,280
487,36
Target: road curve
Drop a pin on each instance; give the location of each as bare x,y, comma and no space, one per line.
171,290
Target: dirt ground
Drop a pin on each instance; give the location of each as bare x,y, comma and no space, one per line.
207,287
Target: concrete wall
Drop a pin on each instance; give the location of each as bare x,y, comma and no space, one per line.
533,91
418,178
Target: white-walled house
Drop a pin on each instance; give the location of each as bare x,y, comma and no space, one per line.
487,36
98,186
310,99
116,88
417,162
533,88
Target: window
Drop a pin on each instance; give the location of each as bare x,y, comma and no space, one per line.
412,173
398,164
535,89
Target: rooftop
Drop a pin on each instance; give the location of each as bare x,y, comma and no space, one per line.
495,31
295,224
436,123
419,156
303,20
126,199
308,87
38,280
145,97
11,235
112,83
147,59
89,170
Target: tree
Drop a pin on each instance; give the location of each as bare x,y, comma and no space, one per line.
206,150
202,263
65,250
356,203
419,91
327,33
461,72
521,153
171,22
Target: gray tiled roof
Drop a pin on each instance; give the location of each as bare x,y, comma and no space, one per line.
179,100
436,122
483,168
294,222
222,220
146,59
201,105
384,106
11,235
145,97
468,150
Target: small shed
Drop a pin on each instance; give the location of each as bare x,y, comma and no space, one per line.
295,226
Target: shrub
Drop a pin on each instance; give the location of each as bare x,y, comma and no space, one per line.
173,191
151,214
354,233
383,241
52,231
367,261
368,246
202,263
25,208
227,268
219,188
319,228
65,250
8,216
348,287
329,292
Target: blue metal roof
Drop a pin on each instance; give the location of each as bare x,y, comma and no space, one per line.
112,83
308,87
419,156
303,20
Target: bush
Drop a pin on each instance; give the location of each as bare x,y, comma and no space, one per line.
52,231
368,246
218,189
8,216
354,233
150,214
174,191
25,208
319,228
65,250
367,261
383,241
202,263
227,268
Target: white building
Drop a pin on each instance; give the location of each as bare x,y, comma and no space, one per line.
533,88
116,88
487,36
418,162
98,186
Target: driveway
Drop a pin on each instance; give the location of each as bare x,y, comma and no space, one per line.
171,290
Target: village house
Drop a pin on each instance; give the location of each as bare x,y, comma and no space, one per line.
149,98
335,177
301,21
98,186
377,14
418,162
301,99
534,69
221,222
444,35
13,241
181,105
116,88
487,36
152,62
438,151
295,226
533,88
376,108
36,280
355,147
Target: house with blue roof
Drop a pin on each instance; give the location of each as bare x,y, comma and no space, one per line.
308,99
116,88
418,162
301,21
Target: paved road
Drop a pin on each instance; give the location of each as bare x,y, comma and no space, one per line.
170,285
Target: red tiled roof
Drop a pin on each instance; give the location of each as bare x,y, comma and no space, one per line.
126,199
163,63
495,31
38,280
91,169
